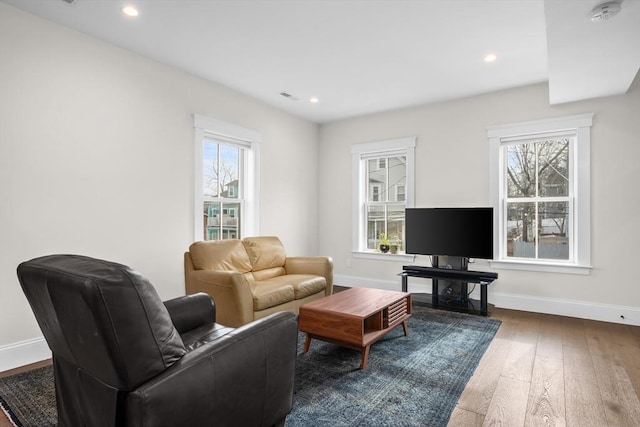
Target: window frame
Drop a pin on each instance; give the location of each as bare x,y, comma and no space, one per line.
580,189
360,153
249,140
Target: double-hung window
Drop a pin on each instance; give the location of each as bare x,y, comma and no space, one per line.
226,180
541,190
383,180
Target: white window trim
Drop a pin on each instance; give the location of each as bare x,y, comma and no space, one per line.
405,146
581,160
249,139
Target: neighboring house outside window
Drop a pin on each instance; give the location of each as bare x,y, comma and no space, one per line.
383,181
226,180
400,193
540,186
375,192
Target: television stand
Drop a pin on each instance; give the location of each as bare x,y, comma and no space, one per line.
462,303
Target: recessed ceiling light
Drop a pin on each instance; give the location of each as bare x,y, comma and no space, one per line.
313,100
130,11
490,57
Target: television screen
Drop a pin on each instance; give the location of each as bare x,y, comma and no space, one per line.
461,232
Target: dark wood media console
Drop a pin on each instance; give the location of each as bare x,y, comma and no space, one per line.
462,303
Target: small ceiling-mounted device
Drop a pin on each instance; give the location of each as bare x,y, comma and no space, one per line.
605,11
288,96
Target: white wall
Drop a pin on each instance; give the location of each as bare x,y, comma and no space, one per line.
452,169
97,159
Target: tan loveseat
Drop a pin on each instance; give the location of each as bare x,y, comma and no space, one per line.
251,278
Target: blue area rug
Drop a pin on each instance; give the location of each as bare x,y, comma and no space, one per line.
409,381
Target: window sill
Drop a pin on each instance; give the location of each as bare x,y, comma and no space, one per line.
541,267
383,257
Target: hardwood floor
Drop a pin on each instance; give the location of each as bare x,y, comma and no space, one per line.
545,370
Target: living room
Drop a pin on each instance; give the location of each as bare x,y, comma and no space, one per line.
98,153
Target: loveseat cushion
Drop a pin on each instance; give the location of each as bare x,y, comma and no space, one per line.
282,289
271,292
265,252
306,284
228,255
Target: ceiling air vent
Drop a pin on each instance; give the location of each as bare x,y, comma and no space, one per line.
289,96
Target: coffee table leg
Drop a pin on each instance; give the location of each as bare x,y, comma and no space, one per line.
307,343
365,357
405,326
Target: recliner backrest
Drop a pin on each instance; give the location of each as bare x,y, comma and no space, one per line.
102,317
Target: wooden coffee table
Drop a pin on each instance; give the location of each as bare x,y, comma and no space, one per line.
355,318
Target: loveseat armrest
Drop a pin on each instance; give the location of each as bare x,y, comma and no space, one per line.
244,378
229,289
190,311
318,265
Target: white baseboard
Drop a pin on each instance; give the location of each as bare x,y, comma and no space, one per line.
581,309
571,308
23,353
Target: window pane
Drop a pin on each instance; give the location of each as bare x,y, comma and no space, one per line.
520,230
230,221
397,177
553,168
375,225
222,169
544,172
211,217
521,170
229,171
395,224
377,181
383,194
210,168
552,230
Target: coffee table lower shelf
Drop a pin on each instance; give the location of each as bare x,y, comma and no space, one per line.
363,349
355,318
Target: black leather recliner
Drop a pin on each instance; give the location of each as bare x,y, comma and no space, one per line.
122,357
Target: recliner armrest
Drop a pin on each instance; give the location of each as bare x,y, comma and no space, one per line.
246,378
190,311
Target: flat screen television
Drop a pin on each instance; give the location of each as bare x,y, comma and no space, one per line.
459,232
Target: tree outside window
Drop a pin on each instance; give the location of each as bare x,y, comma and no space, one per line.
226,187
540,186
222,171
538,202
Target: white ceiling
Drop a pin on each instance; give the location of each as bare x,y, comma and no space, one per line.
361,57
